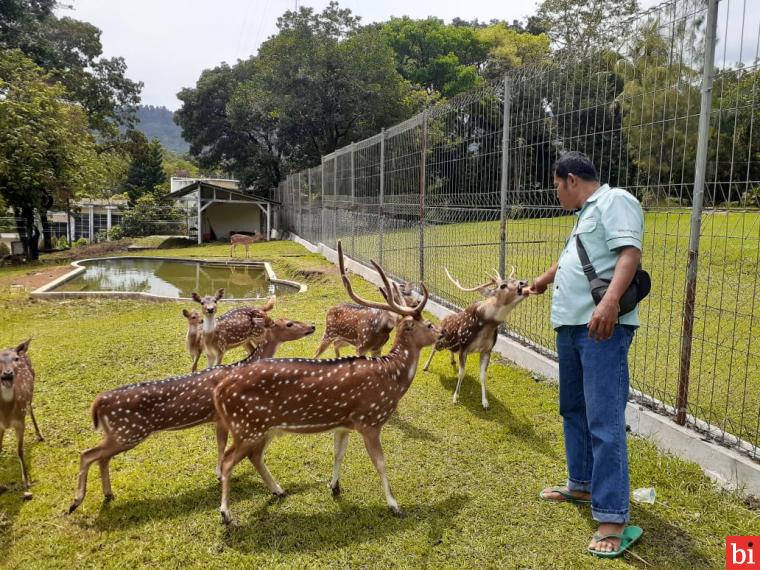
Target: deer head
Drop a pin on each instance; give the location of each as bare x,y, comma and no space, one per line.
11,360
208,303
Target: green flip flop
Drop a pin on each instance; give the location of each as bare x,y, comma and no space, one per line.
629,537
567,497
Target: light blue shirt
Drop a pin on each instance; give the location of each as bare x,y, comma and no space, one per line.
611,218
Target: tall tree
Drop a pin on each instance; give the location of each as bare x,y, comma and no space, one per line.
582,25
146,171
46,146
72,52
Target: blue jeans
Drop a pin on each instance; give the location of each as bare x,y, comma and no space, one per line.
593,391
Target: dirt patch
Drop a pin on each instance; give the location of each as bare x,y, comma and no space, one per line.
316,274
36,278
87,251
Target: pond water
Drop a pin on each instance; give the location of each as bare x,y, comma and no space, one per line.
174,278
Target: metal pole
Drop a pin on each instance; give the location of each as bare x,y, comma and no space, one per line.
505,139
311,220
323,219
422,195
687,330
335,201
353,201
382,193
200,214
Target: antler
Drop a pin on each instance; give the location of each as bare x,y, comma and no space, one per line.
391,305
269,304
456,282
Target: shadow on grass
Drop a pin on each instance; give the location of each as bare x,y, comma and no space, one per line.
518,426
121,514
267,529
410,430
662,545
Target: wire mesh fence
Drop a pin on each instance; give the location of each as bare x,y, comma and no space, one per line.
667,113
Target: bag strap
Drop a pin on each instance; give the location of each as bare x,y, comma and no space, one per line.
588,269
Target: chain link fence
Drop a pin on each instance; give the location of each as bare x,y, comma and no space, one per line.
668,113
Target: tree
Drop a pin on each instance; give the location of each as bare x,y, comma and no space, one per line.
146,171
440,58
152,216
509,48
46,147
581,25
71,51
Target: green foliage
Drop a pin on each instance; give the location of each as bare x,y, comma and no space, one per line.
5,251
61,243
509,49
81,242
150,215
117,232
146,171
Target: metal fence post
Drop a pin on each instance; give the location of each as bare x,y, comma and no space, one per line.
353,201
687,331
322,216
335,201
308,195
381,199
423,154
505,140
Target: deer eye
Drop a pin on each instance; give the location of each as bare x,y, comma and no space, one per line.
503,286
289,325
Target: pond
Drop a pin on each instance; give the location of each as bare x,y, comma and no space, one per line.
174,278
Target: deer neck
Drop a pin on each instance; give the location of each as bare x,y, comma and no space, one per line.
404,356
492,311
7,395
209,324
266,349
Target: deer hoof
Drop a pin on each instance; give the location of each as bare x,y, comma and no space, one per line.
27,495
335,489
486,407
73,507
40,438
226,517
280,494
108,497
397,512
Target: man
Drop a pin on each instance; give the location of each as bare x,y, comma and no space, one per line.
592,344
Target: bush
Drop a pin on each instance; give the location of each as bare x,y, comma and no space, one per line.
5,251
117,232
152,216
101,236
61,243
80,242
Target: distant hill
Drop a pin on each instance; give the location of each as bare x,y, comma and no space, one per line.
156,122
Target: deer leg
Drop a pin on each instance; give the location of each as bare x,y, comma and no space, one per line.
375,450
232,250
338,345
100,453
326,341
485,358
340,443
430,359
34,423
451,357
232,457
377,352
460,376
249,348
20,452
196,358
2,434
257,458
221,443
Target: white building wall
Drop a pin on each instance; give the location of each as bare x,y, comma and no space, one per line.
226,218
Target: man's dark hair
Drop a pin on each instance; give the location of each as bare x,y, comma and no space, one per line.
576,163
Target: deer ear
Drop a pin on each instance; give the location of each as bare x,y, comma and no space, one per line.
23,347
219,294
196,297
186,313
409,325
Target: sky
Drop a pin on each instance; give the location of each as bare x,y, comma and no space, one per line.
168,43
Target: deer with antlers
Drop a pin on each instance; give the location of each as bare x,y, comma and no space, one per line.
356,393
237,327
475,328
129,414
366,328
16,389
244,240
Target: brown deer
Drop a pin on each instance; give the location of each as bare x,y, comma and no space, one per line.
358,393
237,327
475,328
16,390
194,339
244,240
129,414
366,328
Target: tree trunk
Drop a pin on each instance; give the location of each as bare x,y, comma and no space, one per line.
47,244
32,234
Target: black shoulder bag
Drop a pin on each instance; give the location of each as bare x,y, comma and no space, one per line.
639,288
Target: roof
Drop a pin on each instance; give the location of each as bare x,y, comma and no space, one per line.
239,195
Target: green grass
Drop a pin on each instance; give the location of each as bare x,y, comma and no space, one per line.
467,479
725,369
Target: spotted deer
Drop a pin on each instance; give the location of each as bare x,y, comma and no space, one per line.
193,340
238,327
244,240
272,396
16,390
475,328
366,328
129,414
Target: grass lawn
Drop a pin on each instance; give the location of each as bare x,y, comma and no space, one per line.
725,368
468,480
